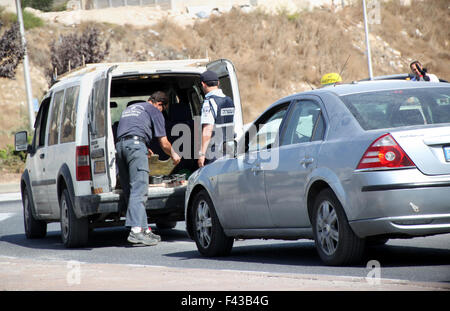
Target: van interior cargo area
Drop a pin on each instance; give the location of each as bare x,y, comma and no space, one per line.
185,99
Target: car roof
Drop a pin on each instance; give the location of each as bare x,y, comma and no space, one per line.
370,86
360,87
380,85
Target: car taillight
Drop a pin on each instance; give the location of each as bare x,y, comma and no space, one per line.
385,153
83,167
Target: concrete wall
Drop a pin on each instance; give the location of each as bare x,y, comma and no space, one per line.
9,4
181,5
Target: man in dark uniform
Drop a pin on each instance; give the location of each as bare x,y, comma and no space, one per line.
138,125
217,119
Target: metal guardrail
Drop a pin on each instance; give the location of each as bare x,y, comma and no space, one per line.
101,4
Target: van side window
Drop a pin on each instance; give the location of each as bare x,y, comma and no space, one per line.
55,118
69,115
40,124
98,100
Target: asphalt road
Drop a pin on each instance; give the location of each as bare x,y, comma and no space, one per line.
417,260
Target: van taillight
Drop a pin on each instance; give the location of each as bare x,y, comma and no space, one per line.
83,166
385,153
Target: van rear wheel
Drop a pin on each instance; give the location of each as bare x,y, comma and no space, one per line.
74,231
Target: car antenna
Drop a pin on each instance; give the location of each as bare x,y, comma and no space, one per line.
309,85
343,67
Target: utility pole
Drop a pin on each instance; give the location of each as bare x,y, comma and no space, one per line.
366,27
26,67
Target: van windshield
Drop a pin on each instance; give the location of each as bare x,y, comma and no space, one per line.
402,107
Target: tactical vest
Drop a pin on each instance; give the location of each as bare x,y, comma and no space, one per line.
224,117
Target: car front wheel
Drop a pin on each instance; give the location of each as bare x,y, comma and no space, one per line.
208,233
335,241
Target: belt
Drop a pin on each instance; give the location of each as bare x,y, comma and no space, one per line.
134,137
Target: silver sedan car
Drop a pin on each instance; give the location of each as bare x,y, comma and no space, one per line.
345,165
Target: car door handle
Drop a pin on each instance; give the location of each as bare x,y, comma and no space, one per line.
307,161
256,168
42,155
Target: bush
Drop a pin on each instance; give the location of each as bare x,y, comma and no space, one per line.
42,5
11,160
71,49
11,51
31,21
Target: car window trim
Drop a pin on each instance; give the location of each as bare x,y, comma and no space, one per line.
264,119
289,112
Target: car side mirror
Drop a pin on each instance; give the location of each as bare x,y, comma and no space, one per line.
21,141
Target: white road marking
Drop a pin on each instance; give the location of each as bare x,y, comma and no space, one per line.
15,196
4,216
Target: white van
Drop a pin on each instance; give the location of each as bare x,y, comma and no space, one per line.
71,176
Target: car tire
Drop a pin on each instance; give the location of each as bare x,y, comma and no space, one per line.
209,236
34,228
74,231
335,241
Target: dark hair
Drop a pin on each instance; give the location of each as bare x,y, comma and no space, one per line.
416,62
212,83
159,96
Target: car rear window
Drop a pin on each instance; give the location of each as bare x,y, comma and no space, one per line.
402,107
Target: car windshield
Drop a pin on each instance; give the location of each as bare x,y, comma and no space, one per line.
402,107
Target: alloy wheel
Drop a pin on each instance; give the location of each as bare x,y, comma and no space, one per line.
203,223
327,227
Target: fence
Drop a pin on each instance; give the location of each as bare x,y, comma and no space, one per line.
101,4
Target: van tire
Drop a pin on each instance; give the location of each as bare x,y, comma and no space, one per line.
74,231
34,228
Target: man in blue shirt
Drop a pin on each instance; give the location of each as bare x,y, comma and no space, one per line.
139,124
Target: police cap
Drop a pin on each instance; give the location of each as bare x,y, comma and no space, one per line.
209,76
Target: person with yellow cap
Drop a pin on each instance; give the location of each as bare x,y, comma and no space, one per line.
331,78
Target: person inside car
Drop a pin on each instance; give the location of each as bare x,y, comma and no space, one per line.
420,73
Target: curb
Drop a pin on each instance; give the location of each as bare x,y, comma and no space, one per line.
10,188
10,196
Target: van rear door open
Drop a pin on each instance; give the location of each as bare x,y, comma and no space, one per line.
101,142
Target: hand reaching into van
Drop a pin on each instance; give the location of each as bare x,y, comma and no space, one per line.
167,148
175,157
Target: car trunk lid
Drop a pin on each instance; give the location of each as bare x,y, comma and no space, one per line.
428,148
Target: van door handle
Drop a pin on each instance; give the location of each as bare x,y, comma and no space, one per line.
256,168
42,155
306,161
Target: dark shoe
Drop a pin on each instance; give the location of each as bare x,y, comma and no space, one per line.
141,238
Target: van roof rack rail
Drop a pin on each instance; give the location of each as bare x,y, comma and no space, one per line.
125,66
